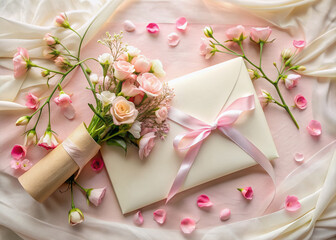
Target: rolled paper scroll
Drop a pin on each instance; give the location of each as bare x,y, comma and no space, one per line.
46,176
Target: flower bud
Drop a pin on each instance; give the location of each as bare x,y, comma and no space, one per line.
208,32
286,54
88,71
75,216
24,120
30,138
253,74
45,73
301,68
94,78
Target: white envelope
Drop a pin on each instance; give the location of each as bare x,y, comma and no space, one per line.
202,94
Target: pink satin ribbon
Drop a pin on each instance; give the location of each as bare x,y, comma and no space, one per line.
199,131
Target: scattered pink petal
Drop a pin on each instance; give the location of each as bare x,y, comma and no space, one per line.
247,192
203,201
187,225
225,214
153,28
160,216
299,44
181,23
314,128
18,152
26,165
138,218
129,26
300,102
292,204
15,164
298,157
97,163
69,112
173,39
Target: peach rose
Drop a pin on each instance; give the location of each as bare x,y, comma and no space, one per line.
150,84
141,64
122,69
123,111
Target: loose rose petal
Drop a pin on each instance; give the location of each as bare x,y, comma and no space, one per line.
173,39
138,218
203,201
18,152
225,214
153,28
299,44
129,26
292,204
160,216
187,225
300,102
314,128
69,112
247,192
181,23
298,157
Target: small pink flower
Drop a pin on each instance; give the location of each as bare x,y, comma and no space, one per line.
49,39
15,164
236,34
21,62
314,128
260,34
160,216
264,98
141,64
129,89
146,144
48,140
96,196
122,69
203,201
292,80
129,26
123,111
150,84
292,204
138,218
205,49
187,225
161,115
60,62
173,39
181,23
62,21
64,101
97,164
300,102
32,101
299,44
247,192
18,152
225,214
26,165
153,28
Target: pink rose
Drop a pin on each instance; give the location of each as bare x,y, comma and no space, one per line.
259,34
205,49
150,84
62,21
161,115
146,144
97,163
96,195
21,62
63,100
18,152
122,69
49,39
300,102
236,34
141,64
247,192
129,89
32,101
48,140
292,204
292,80
123,111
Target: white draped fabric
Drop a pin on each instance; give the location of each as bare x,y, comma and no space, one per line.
23,23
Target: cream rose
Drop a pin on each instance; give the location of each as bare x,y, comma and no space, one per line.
123,111
150,84
122,69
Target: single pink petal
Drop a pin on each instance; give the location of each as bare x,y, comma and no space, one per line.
225,214
138,218
247,192
314,128
18,152
160,216
26,165
181,23
69,112
298,157
187,225
292,204
129,26
299,43
173,39
153,28
203,201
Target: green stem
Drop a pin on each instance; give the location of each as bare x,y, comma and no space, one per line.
261,44
34,65
38,119
241,47
82,39
75,32
90,83
113,135
49,125
66,49
72,197
228,49
80,186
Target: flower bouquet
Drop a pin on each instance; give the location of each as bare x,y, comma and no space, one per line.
131,107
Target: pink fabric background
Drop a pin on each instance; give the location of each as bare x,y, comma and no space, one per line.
178,61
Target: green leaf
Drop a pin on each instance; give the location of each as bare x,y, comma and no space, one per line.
95,112
118,88
119,142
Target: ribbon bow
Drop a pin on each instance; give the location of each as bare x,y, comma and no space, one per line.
192,141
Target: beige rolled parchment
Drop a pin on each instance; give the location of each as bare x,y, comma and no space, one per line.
46,176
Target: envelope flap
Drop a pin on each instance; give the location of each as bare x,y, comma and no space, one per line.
208,91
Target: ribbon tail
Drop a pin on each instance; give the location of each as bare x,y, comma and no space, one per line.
183,171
